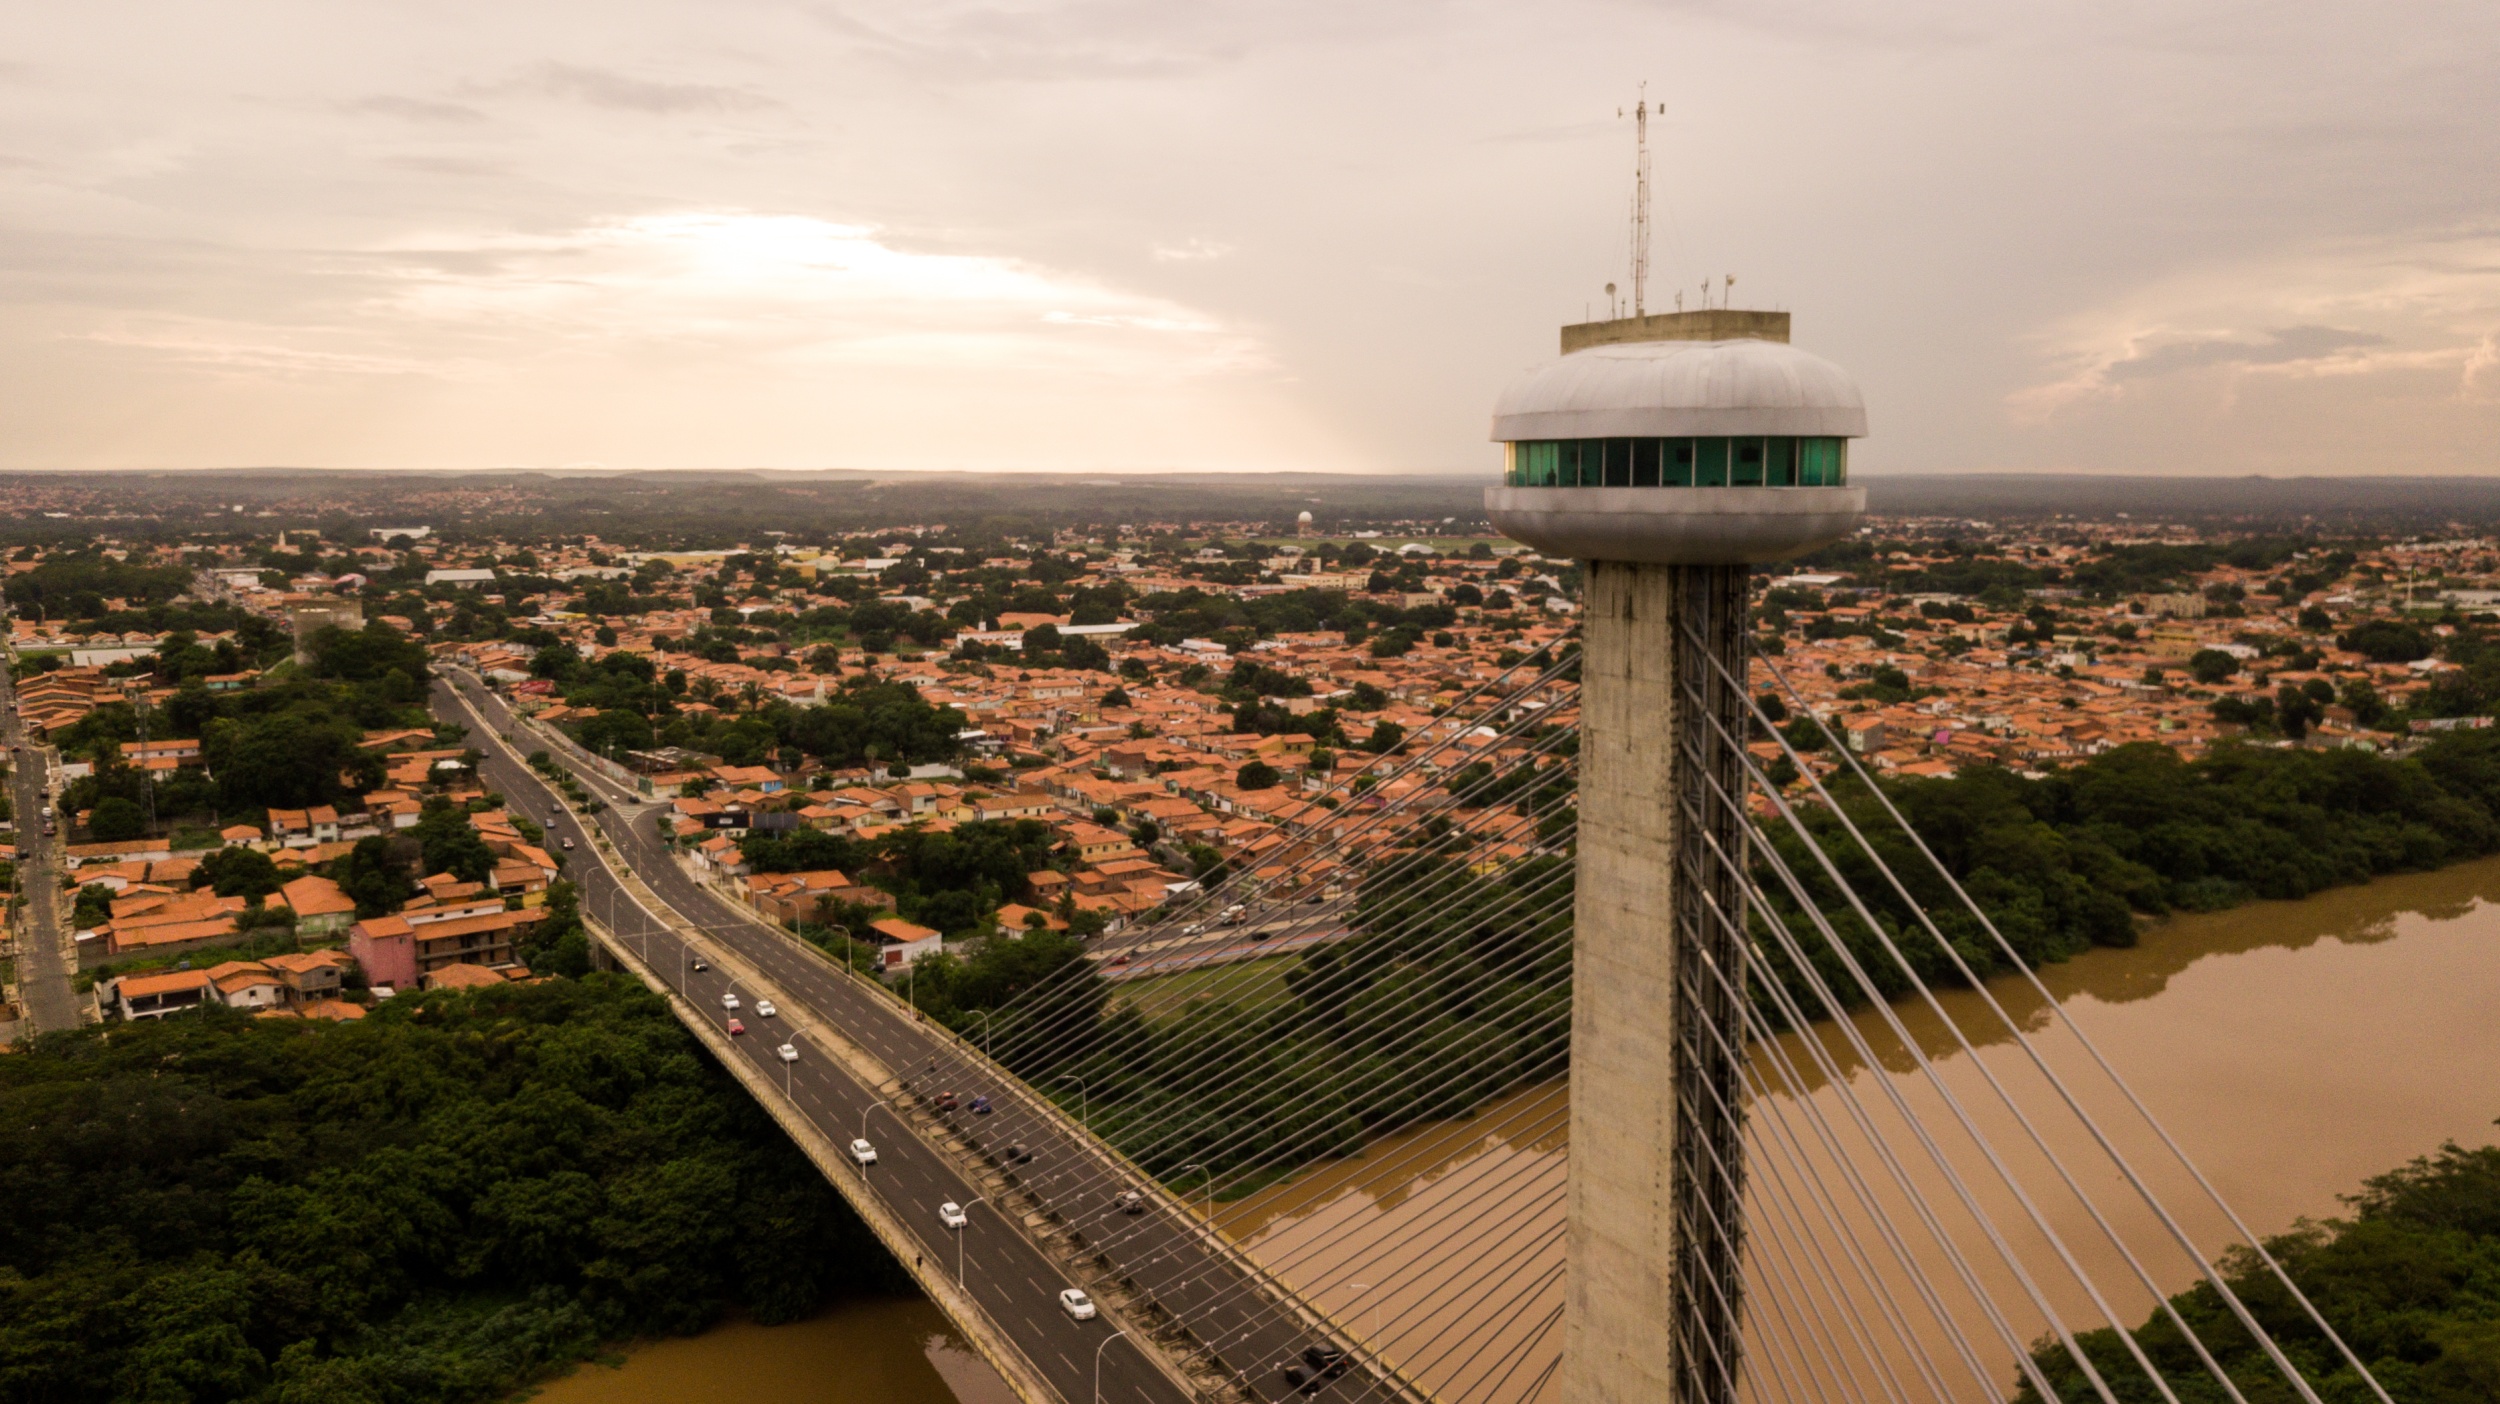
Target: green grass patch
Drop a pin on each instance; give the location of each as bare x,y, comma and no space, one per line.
1251,985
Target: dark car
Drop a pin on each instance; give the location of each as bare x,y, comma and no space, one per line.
1131,1202
981,1106
1327,1360
1018,1155
946,1101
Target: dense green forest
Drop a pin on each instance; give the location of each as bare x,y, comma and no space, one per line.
2071,861
2411,1282
436,1203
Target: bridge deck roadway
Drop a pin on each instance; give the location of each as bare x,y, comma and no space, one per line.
1156,1273
43,970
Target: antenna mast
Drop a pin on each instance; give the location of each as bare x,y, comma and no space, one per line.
1640,203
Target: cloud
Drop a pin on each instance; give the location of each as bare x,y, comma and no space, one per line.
1191,251
417,109
798,289
2380,311
598,87
2287,346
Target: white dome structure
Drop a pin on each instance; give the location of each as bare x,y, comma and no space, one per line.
1681,389
1697,438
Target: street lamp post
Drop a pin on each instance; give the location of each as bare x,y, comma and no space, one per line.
1200,1166
961,1234
988,1023
1098,1350
1359,1289
1084,1100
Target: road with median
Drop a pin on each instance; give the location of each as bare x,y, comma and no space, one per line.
43,971
1167,1252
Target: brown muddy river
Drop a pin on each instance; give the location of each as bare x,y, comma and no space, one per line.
2293,1049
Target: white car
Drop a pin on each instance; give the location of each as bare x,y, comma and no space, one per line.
1076,1304
863,1152
952,1215
789,1052
729,1000
764,1009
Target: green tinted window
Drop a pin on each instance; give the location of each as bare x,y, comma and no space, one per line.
1710,463
1743,462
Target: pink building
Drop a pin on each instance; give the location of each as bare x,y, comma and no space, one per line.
385,949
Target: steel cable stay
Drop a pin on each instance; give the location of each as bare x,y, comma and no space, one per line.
1876,1217
700,928
1790,1218
1107,1246
1968,1123
1882,1145
1524,1351
1022,1035
2090,1124
1517,907
1215,899
2030,976
1487,975
1517,904
1206,1060
1863,1120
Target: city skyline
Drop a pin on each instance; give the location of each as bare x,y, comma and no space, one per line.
1113,238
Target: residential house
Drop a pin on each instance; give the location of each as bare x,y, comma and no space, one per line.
321,908
155,996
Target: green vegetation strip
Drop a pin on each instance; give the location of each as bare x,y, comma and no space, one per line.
441,1202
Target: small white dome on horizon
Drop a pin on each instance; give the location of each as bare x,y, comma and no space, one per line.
1681,389
1305,518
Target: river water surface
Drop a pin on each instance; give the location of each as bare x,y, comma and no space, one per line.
2292,1048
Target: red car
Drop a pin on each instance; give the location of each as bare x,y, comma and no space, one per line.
737,1026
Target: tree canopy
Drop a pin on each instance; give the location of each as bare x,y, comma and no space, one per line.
435,1203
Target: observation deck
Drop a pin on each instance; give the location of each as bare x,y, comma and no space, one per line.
1694,438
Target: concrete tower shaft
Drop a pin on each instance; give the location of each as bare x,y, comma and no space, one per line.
1670,454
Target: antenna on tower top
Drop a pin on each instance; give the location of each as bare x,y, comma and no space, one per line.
1640,203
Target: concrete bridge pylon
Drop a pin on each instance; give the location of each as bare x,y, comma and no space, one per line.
1669,455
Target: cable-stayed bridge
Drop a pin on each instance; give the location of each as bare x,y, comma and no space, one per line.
1814,1154
1916,1216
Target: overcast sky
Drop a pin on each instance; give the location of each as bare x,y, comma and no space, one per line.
2184,236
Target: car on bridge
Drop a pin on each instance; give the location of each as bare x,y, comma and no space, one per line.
952,1215
1076,1304
729,1000
789,1052
861,1151
764,1009
736,1026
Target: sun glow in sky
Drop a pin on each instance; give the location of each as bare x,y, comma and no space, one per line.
1104,234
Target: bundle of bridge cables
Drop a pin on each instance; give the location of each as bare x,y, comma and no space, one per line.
1350,1055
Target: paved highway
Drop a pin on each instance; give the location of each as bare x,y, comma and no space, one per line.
43,976
1165,1254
